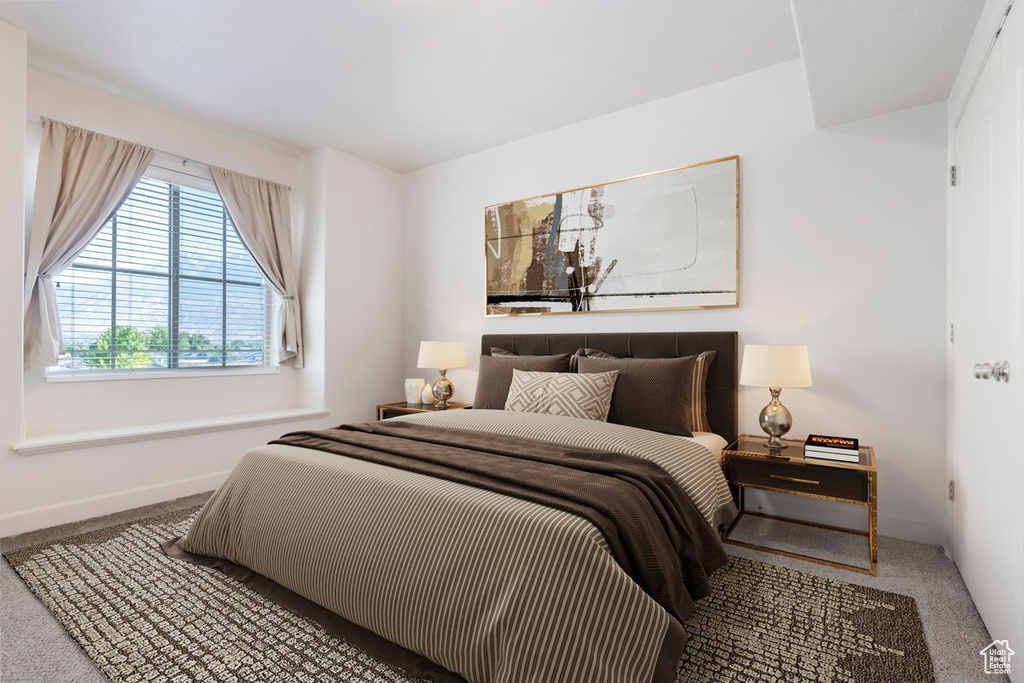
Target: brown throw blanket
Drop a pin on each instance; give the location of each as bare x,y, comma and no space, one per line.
652,528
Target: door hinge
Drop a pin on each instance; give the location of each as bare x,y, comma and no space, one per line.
952,176
952,490
999,29
952,333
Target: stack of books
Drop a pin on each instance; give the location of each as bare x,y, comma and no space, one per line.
837,448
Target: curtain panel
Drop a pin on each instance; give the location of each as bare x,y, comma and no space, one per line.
261,212
83,178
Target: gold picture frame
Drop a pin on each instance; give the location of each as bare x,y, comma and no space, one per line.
667,240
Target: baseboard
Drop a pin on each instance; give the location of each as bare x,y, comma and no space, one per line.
33,519
909,530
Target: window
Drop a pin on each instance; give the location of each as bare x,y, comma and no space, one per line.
165,284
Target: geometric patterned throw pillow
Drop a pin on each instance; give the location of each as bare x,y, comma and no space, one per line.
562,393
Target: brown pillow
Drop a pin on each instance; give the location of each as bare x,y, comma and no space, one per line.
574,360
660,394
496,376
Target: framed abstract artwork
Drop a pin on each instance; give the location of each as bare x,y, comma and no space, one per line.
665,240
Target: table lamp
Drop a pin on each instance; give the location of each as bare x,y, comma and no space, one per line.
775,367
442,355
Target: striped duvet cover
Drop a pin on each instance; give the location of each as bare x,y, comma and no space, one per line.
492,588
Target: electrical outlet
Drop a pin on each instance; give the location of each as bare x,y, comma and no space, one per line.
952,490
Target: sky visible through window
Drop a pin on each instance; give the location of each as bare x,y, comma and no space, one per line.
166,283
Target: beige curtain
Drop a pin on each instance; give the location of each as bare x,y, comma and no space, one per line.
261,212
83,178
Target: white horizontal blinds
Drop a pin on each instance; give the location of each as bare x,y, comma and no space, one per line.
165,284
221,309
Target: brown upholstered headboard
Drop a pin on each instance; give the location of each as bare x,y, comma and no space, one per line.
723,375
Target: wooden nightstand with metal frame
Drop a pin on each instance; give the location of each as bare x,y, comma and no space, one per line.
748,463
386,410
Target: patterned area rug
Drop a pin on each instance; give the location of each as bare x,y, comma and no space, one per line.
142,616
764,622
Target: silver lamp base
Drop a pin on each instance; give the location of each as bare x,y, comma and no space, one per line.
443,390
775,420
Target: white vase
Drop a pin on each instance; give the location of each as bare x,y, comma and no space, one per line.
414,389
427,395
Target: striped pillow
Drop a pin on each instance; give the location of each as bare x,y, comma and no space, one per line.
660,394
562,393
698,392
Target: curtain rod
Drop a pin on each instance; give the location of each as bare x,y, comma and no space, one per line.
185,161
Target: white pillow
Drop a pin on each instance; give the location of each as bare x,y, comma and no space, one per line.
562,393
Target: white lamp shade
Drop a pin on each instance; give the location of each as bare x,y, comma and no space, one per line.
775,366
439,354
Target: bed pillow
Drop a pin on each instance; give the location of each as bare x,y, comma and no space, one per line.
496,376
498,351
595,353
698,389
562,393
661,394
574,361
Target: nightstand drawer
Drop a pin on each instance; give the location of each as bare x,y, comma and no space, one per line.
832,482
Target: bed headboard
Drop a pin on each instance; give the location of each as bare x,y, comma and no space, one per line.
723,375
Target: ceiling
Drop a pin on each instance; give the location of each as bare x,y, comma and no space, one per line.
869,57
410,83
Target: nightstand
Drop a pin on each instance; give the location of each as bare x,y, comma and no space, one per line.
386,410
747,463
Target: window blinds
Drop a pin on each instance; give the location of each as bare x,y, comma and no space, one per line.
166,283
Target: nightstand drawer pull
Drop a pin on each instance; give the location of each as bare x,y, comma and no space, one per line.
799,481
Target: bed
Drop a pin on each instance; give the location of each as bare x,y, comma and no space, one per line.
461,547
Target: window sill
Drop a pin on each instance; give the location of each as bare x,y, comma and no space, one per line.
103,437
107,376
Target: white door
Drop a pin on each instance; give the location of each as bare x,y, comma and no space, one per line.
987,461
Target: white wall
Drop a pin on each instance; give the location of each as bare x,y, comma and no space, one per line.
842,248
347,222
13,59
360,207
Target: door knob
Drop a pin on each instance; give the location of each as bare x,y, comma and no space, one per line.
1001,371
